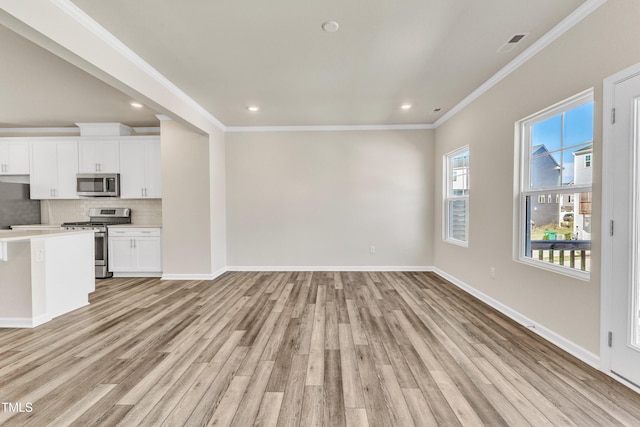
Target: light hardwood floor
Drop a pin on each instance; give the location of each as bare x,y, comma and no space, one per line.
297,348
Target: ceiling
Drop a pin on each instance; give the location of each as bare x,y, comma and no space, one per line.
230,54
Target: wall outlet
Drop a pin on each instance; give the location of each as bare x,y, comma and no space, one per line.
372,250
492,272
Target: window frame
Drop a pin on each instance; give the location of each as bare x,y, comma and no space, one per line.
449,179
523,142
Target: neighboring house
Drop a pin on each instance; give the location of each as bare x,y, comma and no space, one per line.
582,165
545,172
582,173
460,182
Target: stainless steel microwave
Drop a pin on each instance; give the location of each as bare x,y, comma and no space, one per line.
98,184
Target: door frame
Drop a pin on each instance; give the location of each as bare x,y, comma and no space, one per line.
608,165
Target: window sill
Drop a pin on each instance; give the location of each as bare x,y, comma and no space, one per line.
456,242
585,276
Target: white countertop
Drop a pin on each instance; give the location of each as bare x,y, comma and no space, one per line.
22,235
36,226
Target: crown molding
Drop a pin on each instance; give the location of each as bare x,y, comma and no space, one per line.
44,131
565,25
151,129
69,130
326,128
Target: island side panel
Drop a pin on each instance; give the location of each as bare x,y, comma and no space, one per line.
15,286
69,272
39,311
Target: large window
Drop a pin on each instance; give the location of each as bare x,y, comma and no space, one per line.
456,215
556,150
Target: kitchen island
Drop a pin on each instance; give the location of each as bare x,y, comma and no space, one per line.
44,274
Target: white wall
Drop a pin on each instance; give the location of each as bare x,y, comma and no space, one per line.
602,44
323,198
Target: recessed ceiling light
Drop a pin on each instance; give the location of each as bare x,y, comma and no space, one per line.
405,106
136,105
253,108
330,26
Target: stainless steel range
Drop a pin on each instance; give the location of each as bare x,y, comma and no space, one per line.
99,220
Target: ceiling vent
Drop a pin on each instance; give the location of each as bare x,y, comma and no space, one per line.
512,42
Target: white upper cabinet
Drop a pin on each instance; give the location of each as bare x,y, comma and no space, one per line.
54,166
140,168
14,157
53,163
99,156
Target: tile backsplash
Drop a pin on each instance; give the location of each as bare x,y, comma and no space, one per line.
143,211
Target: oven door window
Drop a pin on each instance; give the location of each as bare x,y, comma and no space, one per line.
101,249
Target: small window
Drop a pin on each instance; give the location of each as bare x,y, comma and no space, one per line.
557,234
456,216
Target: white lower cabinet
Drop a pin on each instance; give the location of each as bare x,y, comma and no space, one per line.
135,251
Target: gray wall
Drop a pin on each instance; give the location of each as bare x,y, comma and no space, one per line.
186,195
323,198
217,201
602,44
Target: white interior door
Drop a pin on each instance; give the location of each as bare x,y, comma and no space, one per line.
621,240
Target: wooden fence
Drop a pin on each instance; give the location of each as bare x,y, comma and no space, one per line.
555,252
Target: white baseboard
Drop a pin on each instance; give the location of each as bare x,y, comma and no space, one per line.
23,322
137,274
212,276
549,335
329,268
